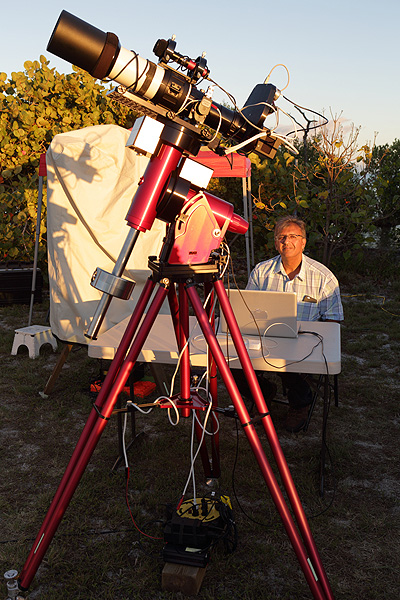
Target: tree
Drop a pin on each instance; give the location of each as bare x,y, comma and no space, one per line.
326,184
386,183
35,105
274,194
340,202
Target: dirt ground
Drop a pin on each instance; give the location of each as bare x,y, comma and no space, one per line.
97,551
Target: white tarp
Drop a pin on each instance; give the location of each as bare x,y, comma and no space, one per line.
91,180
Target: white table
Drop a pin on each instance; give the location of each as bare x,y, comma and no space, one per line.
283,354
303,354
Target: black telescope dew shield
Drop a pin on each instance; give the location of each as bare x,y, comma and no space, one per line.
83,45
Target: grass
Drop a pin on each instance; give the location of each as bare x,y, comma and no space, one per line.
98,553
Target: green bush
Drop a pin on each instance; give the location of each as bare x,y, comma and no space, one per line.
35,105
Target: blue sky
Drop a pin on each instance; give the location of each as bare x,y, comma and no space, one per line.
342,56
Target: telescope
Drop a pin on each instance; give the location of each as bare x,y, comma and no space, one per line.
178,119
165,93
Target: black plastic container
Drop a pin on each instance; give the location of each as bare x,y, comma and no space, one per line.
16,283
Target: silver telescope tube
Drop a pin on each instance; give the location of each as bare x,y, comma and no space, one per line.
131,70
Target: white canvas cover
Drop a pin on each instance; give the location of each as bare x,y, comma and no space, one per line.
91,180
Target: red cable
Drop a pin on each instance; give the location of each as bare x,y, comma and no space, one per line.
130,512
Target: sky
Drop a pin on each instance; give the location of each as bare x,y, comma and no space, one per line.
342,56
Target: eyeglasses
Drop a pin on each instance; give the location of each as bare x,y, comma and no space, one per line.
291,237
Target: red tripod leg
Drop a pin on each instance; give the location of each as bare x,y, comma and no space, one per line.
112,387
272,437
319,591
174,310
183,330
213,386
180,318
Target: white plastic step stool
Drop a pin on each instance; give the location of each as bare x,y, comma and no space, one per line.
33,338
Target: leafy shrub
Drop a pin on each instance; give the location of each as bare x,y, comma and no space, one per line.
35,105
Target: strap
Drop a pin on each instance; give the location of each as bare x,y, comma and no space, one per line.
256,418
96,408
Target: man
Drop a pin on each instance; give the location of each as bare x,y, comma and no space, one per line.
318,299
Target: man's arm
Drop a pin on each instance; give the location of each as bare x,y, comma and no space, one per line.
254,280
331,304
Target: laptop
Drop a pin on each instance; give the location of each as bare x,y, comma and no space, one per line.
265,313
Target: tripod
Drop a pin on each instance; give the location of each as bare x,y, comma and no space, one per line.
197,229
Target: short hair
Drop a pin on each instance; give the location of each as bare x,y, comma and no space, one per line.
289,220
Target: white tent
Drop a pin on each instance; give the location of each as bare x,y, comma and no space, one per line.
91,180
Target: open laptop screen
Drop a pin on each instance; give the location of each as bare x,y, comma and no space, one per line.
264,313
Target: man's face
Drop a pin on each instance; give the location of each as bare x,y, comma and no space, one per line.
290,242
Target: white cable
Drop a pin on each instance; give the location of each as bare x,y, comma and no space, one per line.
123,440
197,451
186,100
294,137
294,124
286,143
248,141
277,323
178,364
225,247
219,125
271,106
144,412
274,67
194,417
169,409
191,457
205,430
262,132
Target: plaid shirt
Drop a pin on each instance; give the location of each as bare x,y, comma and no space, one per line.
314,281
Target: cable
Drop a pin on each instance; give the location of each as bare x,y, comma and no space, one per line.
219,124
294,362
283,138
287,72
127,473
213,414
151,537
232,149
311,516
374,296
293,332
233,480
261,336
89,532
230,96
197,452
123,441
173,405
192,458
135,58
185,102
324,426
286,141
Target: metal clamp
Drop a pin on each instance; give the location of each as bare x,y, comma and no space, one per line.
111,284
